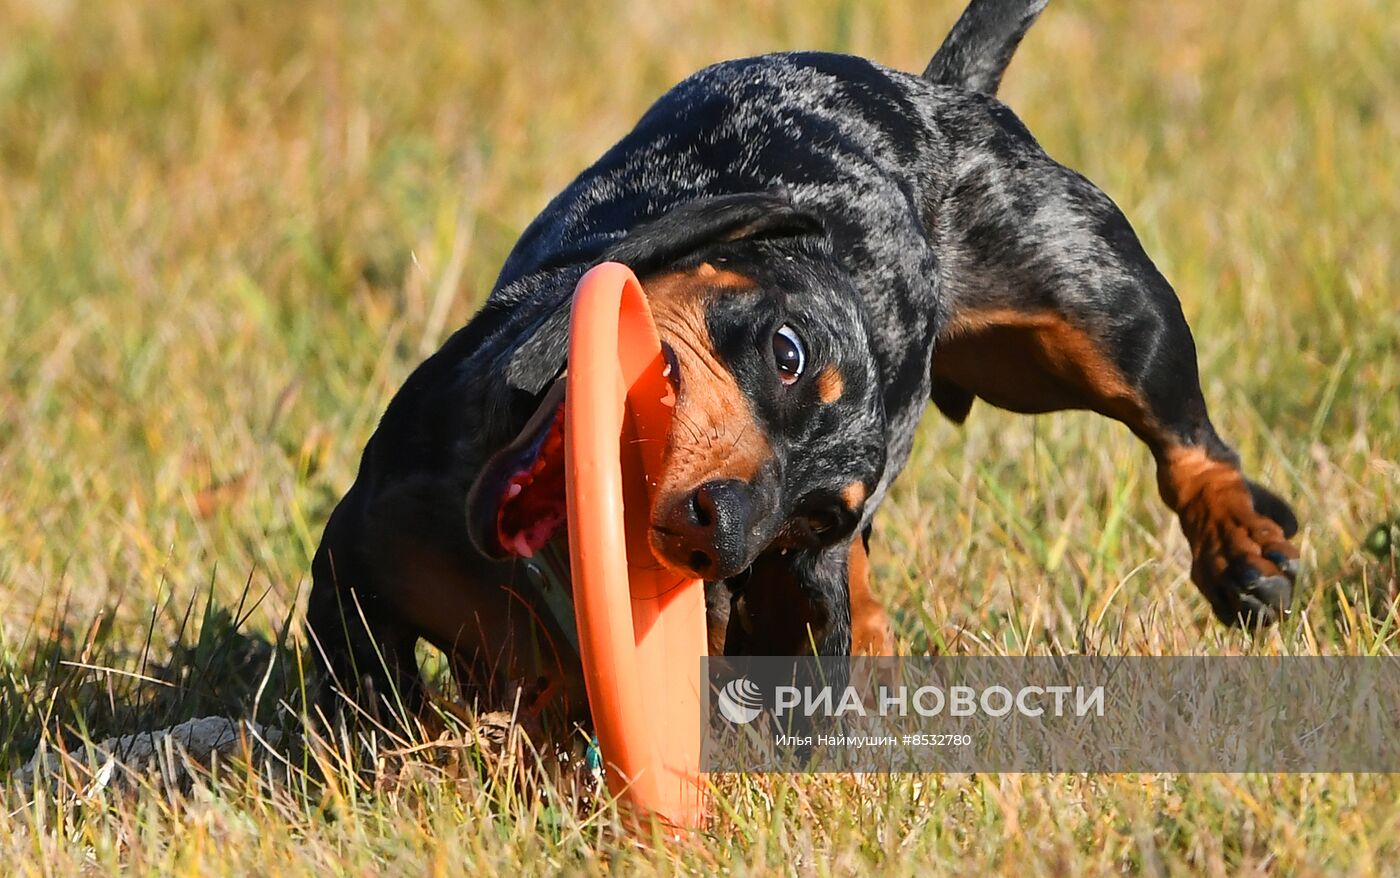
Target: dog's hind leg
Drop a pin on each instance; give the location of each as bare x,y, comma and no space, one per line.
1052,304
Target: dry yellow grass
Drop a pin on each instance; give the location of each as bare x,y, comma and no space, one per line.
229,230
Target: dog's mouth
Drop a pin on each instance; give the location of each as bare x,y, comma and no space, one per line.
531,511
517,505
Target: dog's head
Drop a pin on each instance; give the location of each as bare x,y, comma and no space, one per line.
778,433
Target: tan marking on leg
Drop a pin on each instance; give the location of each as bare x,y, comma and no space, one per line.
870,628
830,385
1217,514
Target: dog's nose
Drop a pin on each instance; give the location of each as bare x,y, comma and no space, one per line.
709,528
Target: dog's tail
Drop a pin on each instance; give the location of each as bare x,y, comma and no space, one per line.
980,45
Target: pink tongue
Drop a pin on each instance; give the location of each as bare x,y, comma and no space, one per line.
532,507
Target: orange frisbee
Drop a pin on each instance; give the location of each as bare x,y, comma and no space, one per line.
641,626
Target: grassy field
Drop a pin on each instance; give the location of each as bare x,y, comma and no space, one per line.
228,230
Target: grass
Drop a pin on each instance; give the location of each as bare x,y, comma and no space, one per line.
228,230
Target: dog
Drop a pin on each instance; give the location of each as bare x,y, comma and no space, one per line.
827,245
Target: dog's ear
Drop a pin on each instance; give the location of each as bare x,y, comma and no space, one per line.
655,245
684,231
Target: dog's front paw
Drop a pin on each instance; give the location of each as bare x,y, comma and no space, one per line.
1243,562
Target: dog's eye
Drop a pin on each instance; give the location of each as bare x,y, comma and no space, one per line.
820,522
788,354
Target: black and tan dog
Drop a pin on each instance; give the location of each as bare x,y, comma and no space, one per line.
827,245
